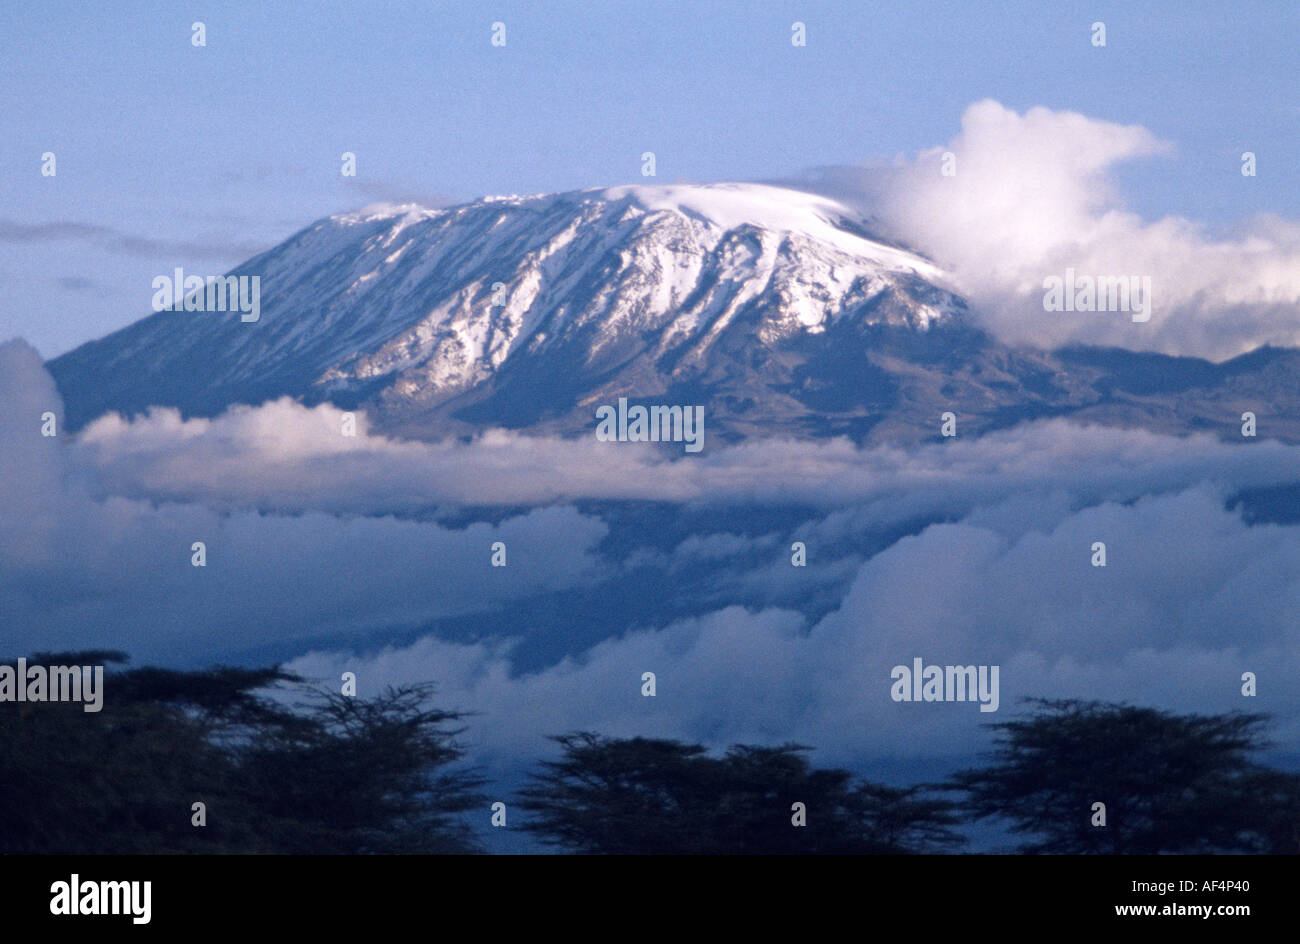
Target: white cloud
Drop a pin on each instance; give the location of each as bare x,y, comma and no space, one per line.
288,457
1035,193
80,568
1190,599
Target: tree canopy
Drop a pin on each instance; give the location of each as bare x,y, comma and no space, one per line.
640,795
285,766
1170,783
323,774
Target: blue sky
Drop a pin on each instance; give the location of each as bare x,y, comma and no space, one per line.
170,155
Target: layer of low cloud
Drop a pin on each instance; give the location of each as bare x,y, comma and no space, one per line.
282,455
81,569
1190,600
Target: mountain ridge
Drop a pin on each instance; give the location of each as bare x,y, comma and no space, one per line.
779,309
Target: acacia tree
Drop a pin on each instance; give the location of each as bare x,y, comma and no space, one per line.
639,795
329,774
1170,783
351,775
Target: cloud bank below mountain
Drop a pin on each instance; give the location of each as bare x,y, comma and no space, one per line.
331,550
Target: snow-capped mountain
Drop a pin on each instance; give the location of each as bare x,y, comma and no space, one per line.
777,309
410,307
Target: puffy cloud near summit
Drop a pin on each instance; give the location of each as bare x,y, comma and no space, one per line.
1036,193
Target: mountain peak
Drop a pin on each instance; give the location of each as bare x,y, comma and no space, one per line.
765,206
634,288
375,212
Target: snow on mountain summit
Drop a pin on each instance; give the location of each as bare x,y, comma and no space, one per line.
777,209
501,275
721,206
413,305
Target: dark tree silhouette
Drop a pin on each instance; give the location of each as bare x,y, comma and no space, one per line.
1170,783
651,796
330,774
351,775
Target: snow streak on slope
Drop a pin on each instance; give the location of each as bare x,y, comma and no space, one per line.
674,262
